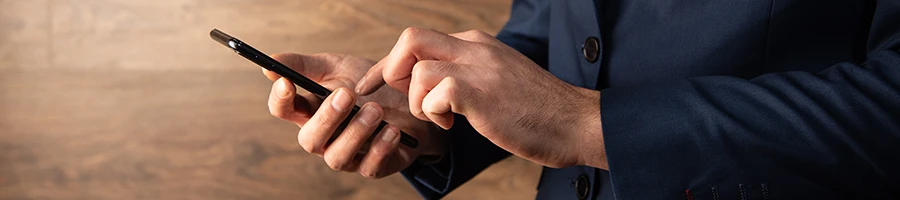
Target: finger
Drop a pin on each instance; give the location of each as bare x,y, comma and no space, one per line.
285,104
314,135
414,44
312,66
372,80
382,149
340,153
270,74
448,97
426,75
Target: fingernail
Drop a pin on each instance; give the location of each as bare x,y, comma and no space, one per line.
341,100
389,134
283,88
368,115
359,86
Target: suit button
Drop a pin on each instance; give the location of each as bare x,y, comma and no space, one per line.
582,187
591,49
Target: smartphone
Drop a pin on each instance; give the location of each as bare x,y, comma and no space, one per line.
267,62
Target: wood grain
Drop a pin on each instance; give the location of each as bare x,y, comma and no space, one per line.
124,99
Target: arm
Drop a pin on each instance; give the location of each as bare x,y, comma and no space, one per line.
469,152
792,135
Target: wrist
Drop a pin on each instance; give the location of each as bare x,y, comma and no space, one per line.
590,128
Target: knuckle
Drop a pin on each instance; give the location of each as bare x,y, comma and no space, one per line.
409,35
421,67
310,145
411,32
353,135
451,86
479,34
453,92
410,38
418,67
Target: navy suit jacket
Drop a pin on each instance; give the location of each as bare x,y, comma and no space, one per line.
714,99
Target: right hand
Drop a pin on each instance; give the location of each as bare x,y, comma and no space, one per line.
318,123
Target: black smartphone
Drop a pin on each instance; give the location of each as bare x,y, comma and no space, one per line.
267,62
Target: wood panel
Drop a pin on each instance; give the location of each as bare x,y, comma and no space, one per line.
164,34
24,33
125,99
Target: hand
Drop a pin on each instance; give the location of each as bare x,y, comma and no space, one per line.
318,123
505,96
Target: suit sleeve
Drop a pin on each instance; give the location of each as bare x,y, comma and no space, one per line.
470,153
834,134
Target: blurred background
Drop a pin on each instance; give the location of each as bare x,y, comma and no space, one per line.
130,99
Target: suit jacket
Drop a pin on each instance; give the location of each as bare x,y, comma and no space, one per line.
713,99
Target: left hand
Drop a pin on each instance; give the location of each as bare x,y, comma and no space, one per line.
318,119
504,95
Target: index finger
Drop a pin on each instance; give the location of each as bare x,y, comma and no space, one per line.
414,45
371,81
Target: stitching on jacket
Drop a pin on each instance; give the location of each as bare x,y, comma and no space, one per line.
688,194
765,191
743,191
715,193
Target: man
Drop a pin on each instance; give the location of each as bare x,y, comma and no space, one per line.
729,99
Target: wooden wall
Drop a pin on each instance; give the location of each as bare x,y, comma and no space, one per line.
130,99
